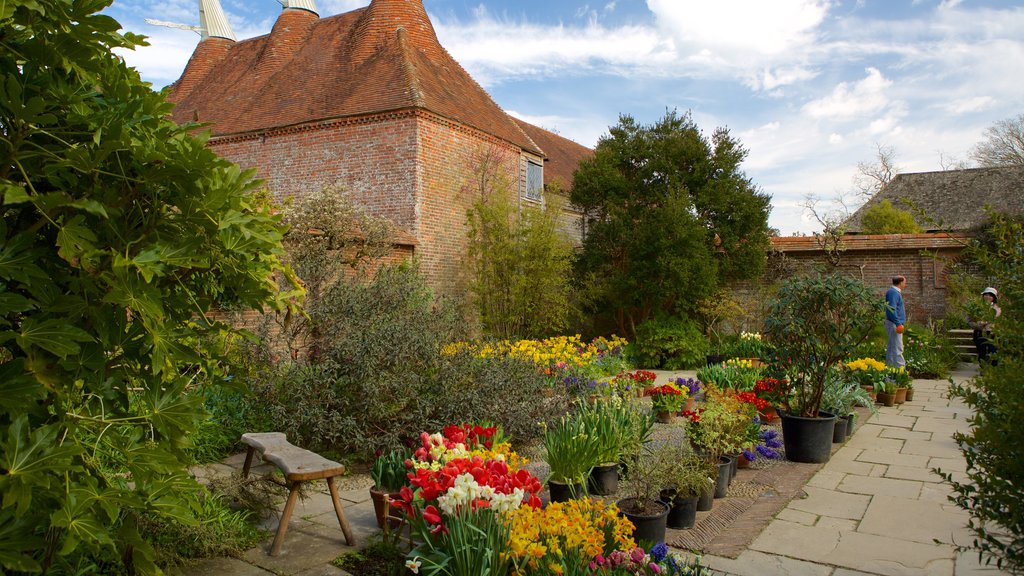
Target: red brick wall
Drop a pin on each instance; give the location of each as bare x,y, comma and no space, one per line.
374,159
449,162
925,294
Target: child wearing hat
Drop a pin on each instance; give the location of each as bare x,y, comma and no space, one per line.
983,329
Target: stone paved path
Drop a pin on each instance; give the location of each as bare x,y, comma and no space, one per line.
875,508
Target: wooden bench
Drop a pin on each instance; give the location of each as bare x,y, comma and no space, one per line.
298,465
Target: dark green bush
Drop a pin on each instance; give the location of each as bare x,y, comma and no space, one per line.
929,354
995,469
671,343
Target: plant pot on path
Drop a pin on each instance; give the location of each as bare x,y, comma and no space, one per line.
724,476
851,422
839,431
683,512
380,508
910,394
808,439
886,399
649,519
901,395
706,500
665,417
603,480
562,492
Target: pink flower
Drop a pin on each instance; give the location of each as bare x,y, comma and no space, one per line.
637,555
654,568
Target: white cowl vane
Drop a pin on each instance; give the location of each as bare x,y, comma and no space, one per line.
213,22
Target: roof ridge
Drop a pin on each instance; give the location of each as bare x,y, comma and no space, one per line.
411,71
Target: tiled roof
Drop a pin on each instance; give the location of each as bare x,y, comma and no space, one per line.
563,155
953,199
383,57
930,241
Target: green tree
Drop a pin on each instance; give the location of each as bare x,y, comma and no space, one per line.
884,218
995,470
120,233
520,267
669,215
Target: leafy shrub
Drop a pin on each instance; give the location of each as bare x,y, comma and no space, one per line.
671,343
929,354
995,469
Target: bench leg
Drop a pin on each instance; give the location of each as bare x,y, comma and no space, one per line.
342,521
286,517
248,462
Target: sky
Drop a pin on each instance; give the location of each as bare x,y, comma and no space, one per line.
811,88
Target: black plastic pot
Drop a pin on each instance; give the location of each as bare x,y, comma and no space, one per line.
706,500
808,439
646,528
839,431
604,479
683,513
724,476
562,492
850,419
733,466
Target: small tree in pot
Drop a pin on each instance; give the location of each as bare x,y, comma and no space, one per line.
815,322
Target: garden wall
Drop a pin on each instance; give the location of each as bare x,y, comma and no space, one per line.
874,259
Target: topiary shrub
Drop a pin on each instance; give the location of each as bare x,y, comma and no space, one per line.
671,343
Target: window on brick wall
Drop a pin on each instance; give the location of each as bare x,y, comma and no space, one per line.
534,180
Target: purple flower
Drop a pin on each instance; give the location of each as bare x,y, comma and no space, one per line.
659,551
750,455
767,452
692,386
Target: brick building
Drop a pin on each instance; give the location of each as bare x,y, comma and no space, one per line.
369,101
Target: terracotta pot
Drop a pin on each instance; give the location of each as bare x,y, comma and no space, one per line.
901,395
741,461
886,399
666,417
910,394
691,403
768,415
382,509
870,390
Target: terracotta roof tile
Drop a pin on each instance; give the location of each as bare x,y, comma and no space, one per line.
932,241
563,155
376,59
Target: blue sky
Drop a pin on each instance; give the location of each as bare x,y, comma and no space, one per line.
810,87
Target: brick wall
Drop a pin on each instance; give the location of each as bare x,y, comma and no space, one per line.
921,258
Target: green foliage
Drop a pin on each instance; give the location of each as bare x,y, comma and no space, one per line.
929,353
570,449
995,469
670,343
815,323
520,266
389,472
842,394
669,215
884,218
120,232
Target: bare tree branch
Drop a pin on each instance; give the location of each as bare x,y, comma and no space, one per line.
1003,144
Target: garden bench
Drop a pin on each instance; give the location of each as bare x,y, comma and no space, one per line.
298,465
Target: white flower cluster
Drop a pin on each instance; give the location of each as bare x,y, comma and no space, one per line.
466,491
750,336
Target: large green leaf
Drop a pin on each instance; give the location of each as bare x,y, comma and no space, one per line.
53,335
32,460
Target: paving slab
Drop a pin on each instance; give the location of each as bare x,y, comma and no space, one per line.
887,516
798,516
904,434
827,479
938,447
840,524
968,564
753,563
305,548
893,458
920,473
875,443
832,503
890,418
881,486
941,426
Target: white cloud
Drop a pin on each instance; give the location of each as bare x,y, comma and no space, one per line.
968,105
852,100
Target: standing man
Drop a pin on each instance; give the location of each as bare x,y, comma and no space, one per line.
895,318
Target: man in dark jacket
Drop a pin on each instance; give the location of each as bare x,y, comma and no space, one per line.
895,318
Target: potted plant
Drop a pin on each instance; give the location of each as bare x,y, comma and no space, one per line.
666,401
887,393
901,378
868,373
602,421
719,429
649,472
570,451
814,322
841,396
687,475
389,474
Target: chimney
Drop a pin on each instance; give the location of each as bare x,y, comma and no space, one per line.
308,5
217,39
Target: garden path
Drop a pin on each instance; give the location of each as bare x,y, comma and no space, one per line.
875,508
